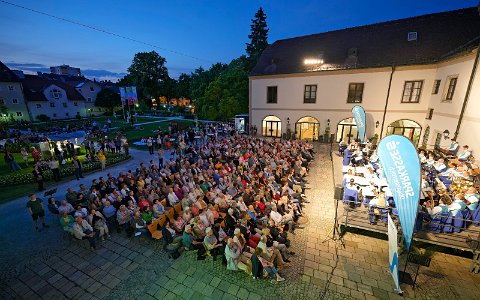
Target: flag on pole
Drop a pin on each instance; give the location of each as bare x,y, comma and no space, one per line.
122,95
393,252
134,95
359,115
401,166
129,93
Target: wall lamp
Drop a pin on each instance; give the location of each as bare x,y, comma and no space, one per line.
377,124
446,134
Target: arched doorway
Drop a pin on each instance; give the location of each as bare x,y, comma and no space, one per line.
347,130
307,128
272,126
408,128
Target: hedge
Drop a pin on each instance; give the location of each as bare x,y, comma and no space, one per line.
65,171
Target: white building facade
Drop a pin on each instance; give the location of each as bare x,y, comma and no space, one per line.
307,86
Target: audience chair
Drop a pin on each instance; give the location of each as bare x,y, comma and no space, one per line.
153,228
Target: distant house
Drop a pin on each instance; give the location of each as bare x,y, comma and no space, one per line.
11,95
416,77
89,90
65,70
55,99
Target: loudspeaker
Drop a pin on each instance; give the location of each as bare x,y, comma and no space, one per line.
338,193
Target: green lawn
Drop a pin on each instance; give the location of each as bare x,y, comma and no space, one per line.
147,130
118,121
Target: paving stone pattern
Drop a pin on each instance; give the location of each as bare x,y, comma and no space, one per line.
127,268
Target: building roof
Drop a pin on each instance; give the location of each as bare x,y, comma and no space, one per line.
33,87
6,75
439,35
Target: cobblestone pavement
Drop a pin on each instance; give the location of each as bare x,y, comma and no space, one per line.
51,265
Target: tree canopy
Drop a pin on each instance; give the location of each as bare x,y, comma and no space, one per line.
107,98
149,73
219,92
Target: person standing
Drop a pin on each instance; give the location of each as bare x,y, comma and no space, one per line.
24,156
150,145
54,167
38,176
10,160
160,157
77,165
125,147
35,154
36,210
102,158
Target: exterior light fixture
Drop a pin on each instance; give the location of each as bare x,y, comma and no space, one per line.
313,61
377,124
446,134
288,120
328,122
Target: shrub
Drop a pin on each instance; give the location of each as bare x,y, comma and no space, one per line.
65,171
43,118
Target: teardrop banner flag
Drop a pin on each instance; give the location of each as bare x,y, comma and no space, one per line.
393,253
399,161
359,115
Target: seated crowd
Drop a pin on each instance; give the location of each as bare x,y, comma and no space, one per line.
448,199
234,197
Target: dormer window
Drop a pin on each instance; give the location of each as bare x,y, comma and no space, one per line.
55,94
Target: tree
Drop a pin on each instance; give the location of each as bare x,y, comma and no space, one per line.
108,99
258,36
149,73
227,95
182,86
3,110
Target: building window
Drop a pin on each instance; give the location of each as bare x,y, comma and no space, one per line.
92,89
52,104
54,115
67,114
19,114
355,93
11,88
64,104
75,104
38,105
412,91
436,86
2,101
14,101
429,114
89,99
310,95
271,94
450,86
56,94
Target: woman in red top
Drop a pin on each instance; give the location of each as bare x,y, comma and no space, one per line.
144,203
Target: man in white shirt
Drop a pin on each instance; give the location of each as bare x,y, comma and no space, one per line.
172,198
465,154
457,205
440,165
83,231
472,198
